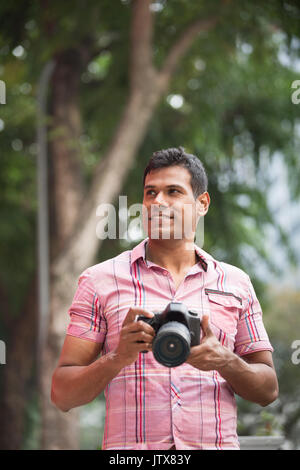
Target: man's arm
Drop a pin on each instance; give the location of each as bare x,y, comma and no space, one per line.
252,377
80,376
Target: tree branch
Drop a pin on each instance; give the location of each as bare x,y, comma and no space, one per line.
181,46
140,62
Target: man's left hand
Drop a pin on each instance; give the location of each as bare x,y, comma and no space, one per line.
210,354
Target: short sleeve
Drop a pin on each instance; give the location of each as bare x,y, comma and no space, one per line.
86,319
251,333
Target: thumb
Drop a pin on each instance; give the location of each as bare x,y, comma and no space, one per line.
133,312
205,325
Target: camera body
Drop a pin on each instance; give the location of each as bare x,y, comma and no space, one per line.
177,329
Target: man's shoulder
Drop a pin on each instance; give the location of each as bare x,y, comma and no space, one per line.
233,270
121,261
109,266
232,278
229,270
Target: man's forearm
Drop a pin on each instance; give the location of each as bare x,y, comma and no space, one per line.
74,386
253,382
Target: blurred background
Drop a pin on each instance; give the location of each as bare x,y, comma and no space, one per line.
89,90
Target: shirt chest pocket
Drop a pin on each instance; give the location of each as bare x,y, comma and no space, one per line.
225,308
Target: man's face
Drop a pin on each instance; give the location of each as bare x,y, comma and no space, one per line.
170,210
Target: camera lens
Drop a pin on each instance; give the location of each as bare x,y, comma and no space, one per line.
171,345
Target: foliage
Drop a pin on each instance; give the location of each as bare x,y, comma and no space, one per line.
232,108
281,417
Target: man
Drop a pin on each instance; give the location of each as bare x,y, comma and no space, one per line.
148,405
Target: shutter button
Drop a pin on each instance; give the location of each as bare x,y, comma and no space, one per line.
194,313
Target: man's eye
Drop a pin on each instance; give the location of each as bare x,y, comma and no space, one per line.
151,192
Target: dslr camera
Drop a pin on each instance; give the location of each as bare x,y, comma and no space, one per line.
177,329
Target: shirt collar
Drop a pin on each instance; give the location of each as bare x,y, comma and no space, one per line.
139,251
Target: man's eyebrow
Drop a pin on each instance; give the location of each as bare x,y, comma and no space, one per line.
151,186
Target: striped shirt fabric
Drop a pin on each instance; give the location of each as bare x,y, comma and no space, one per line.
148,405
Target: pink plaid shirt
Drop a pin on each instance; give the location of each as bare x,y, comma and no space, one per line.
149,406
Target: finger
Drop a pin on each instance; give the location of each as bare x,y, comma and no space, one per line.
141,347
140,336
133,312
196,351
139,326
205,325
192,356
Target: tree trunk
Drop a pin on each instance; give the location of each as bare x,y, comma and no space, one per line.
147,86
65,196
66,182
18,370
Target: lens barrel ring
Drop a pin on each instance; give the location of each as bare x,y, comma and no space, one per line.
171,346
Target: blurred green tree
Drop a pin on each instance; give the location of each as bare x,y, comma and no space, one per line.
128,80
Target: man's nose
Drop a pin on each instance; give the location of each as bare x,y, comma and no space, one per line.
160,200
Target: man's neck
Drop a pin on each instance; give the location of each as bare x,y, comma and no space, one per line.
175,255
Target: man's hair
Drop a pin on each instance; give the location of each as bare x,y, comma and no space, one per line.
178,156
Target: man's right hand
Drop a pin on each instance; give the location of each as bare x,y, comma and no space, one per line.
134,337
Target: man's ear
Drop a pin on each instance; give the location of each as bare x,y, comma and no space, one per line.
202,204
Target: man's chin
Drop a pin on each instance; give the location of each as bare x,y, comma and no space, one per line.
189,245
162,233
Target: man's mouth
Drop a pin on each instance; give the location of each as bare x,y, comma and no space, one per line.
161,216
